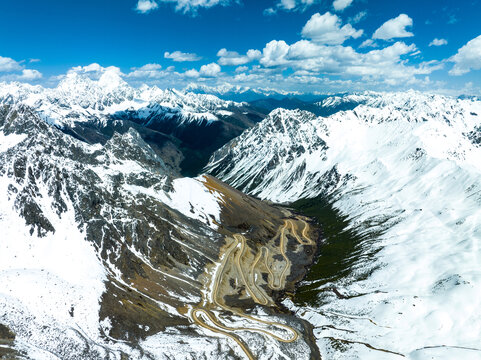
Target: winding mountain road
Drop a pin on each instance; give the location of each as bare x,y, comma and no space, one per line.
237,259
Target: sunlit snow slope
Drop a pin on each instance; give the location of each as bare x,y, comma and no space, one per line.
405,167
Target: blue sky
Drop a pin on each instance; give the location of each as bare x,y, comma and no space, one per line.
296,45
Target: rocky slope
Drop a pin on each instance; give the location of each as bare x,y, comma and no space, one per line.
106,253
402,171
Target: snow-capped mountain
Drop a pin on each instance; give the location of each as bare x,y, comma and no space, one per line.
81,98
105,253
239,93
404,171
343,102
176,123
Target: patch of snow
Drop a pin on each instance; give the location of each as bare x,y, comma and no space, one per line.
9,141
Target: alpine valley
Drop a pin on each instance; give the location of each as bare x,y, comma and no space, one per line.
140,223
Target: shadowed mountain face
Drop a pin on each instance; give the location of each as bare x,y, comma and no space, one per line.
195,138
106,253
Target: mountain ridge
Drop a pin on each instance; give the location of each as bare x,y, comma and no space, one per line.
401,173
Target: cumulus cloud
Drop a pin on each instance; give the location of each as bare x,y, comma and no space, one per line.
192,73
180,56
327,29
467,58
274,54
29,75
241,69
368,43
336,66
209,70
438,42
340,5
394,28
146,6
8,65
16,71
295,4
291,5
308,58
234,58
93,71
191,6
148,71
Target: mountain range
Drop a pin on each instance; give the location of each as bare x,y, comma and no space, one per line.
157,224
397,177
182,127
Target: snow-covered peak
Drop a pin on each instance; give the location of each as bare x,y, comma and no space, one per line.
406,102
72,81
80,98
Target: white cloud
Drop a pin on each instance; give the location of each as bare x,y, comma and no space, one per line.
34,60
8,65
234,58
29,75
295,4
394,28
209,70
94,67
192,73
340,5
467,58
93,71
240,69
274,54
180,56
438,42
291,5
368,43
326,29
388,65
16,71
191,6
305,49
145,6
